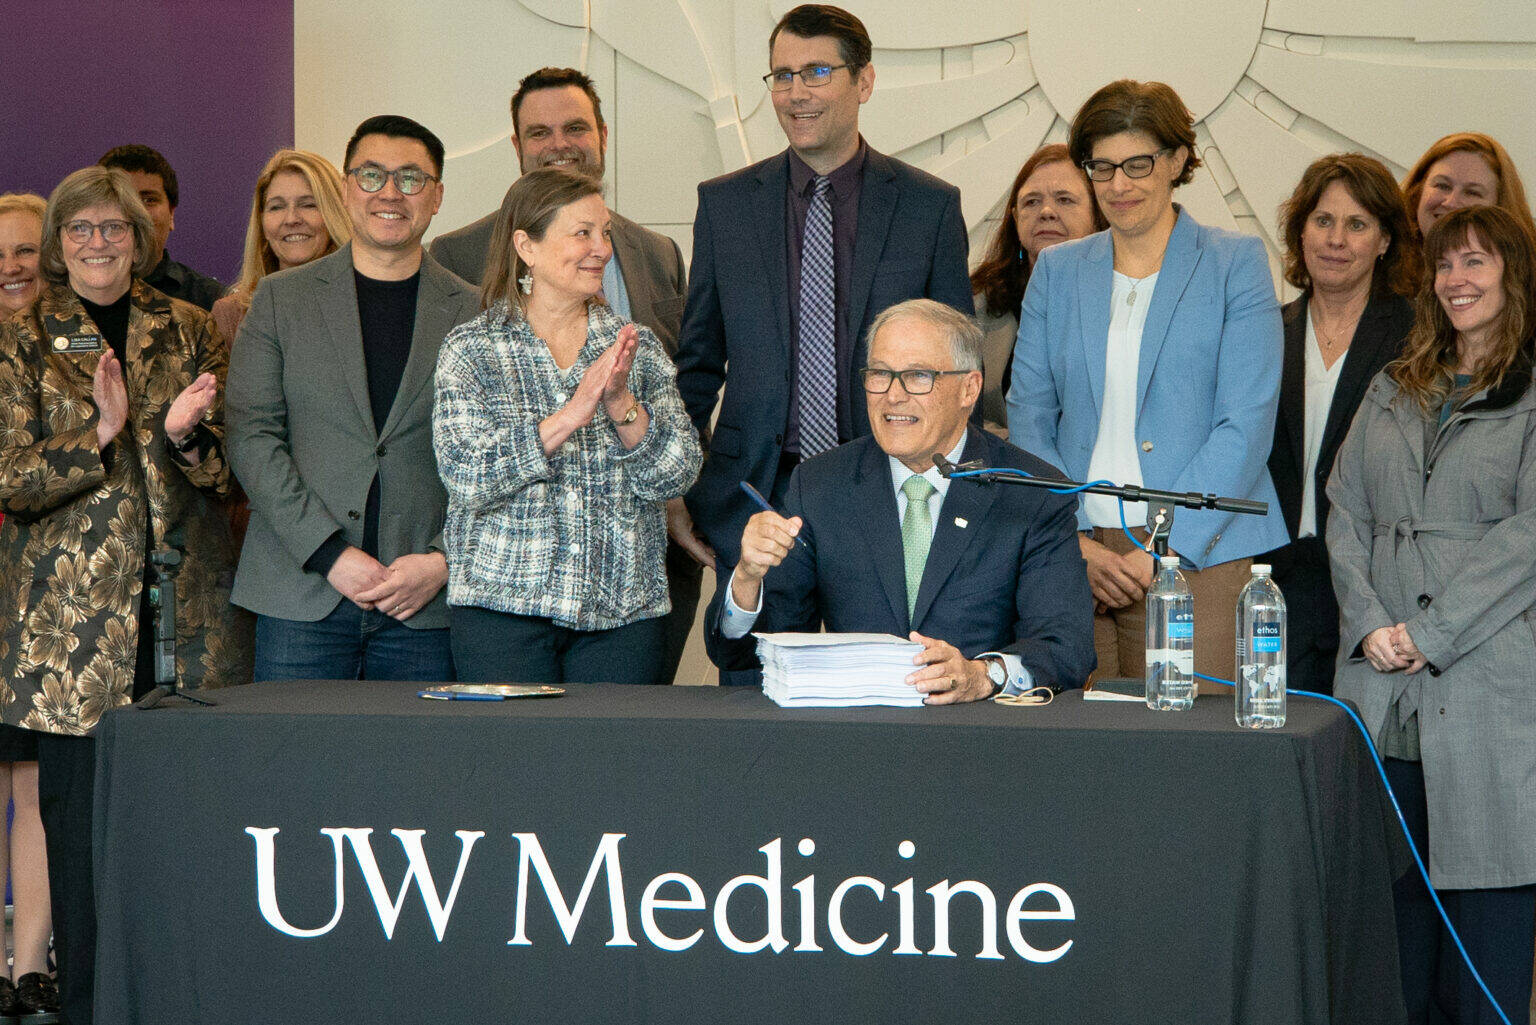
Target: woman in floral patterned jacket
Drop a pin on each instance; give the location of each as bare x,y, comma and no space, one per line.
111,447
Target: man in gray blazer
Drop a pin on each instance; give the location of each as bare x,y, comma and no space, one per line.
557,121
330,433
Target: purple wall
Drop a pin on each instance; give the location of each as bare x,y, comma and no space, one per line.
209,84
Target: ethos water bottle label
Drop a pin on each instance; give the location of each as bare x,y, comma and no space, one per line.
1181,626
1266,638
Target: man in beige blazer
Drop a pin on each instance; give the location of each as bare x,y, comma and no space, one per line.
330,432
557,121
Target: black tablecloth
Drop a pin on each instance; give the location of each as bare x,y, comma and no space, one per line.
1215,874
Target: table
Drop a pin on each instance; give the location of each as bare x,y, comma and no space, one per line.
1083,862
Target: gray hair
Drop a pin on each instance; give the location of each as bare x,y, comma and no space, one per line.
90,186
961,332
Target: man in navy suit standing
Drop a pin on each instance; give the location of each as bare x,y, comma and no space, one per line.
792,259
989,578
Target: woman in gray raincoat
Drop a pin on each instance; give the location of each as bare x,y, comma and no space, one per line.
1432,543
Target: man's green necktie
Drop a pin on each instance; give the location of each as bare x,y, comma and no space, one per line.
916,534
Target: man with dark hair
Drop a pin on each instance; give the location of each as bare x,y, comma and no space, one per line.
792,258
557,121
155,181
330,432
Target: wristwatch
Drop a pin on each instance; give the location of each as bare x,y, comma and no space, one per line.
185,445
997,673
629,417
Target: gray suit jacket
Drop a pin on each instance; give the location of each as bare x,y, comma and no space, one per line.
302,440
651,263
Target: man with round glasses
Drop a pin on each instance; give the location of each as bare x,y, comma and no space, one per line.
793,257
330,408
872,539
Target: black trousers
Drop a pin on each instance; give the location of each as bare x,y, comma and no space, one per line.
66,788
685,579
501,647
1498,928
66,795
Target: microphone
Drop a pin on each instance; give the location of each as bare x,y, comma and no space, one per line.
946,468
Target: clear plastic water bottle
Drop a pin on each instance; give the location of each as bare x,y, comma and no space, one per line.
1260,692
1170,639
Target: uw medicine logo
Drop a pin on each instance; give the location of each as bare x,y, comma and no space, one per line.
675,912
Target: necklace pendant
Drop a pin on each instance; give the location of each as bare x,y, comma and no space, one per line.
1130,300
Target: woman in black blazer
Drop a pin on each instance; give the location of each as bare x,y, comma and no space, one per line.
1348,248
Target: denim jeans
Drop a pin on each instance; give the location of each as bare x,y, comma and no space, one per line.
350,644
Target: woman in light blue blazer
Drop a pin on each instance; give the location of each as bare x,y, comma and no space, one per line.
1150,354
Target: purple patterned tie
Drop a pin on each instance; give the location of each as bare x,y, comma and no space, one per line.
816,370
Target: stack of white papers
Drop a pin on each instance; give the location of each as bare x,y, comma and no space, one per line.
803,670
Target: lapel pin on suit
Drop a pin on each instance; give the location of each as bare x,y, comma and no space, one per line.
961,522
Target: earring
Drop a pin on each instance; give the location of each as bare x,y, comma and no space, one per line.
526,283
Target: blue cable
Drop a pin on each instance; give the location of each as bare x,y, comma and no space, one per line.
1381,770
1011,471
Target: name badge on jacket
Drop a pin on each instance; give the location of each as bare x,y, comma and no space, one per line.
77,343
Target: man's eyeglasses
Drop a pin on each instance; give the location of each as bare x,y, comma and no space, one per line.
80,232
1134,167
916,382
409,180
814,76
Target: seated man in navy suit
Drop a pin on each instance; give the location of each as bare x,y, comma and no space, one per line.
988,578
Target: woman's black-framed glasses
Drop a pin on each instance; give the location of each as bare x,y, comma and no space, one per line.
409,180
1134,167
916,381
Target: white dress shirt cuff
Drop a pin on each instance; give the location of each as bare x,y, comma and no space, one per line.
736,622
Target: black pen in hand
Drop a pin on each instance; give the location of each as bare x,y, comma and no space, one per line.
762,503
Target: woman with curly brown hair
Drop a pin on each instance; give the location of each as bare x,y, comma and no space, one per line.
111,450
1430,540
1049,202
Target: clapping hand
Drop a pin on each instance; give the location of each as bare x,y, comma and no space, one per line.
111,398
189,407
616,395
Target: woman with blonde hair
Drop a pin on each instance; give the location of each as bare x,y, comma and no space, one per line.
21,232
296,216
21,235
1430,537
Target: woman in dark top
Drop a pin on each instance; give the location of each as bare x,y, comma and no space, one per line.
112,450
1050,202
1348,248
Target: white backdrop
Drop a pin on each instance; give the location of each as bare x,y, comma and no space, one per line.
966,90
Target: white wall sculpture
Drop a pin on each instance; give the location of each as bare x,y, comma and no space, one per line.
966,91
